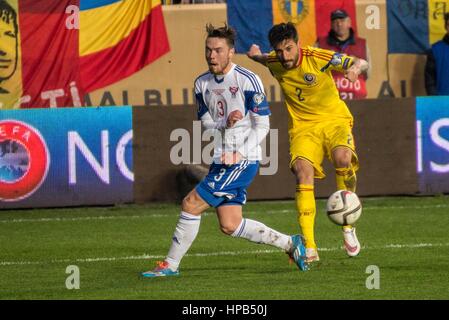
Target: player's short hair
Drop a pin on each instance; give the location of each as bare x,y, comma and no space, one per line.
446,18
226,32
7,14
281,32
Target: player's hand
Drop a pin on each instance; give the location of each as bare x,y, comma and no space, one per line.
233,117
356,69
254,51
229,158
352,74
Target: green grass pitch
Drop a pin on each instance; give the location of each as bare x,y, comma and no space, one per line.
407,238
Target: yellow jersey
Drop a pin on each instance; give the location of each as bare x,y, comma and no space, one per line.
309,89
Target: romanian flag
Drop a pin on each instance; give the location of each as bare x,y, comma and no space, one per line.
118,38
252,19
413,26
52,52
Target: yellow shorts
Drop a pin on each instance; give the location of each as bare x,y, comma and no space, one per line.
313,141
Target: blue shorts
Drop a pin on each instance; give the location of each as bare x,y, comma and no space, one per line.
226,185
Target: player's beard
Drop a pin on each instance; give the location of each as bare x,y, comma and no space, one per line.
219,68
290,64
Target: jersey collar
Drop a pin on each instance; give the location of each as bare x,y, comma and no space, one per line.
220,78
300,57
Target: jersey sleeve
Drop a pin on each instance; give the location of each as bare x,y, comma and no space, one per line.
260,129
255,98
273,64
201,105
334,60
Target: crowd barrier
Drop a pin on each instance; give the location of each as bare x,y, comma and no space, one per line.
110,155
66,157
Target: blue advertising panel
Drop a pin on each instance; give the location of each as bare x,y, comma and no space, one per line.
65,157
432,126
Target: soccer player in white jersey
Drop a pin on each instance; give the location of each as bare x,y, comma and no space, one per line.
231,101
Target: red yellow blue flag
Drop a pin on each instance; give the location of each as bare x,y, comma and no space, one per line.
52,52
253,19
413,26
118,38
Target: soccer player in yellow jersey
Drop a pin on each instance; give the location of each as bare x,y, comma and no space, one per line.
320,123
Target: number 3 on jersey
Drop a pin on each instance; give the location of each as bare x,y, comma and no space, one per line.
221,111
220,174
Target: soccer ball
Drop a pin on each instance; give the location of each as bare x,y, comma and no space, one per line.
343,207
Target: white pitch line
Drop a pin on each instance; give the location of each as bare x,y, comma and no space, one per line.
59,219
210,254
78,218
91,218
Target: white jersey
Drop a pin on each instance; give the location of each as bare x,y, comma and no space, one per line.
218,95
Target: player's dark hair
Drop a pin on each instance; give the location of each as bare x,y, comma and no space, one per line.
224,32
446,18
7,14
281,32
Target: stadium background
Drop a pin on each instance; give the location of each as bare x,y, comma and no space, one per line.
127,157
133,63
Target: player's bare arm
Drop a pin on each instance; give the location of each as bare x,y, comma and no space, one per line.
256,54
359,66
233,117
230,158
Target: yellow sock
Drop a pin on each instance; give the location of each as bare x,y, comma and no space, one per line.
346,179
305,203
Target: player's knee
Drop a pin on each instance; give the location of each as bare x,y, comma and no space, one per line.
343,158
189,204
343,161
228,228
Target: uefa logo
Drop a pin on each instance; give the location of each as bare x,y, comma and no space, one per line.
24,160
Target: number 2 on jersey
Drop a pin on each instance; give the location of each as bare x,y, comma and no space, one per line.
298,93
